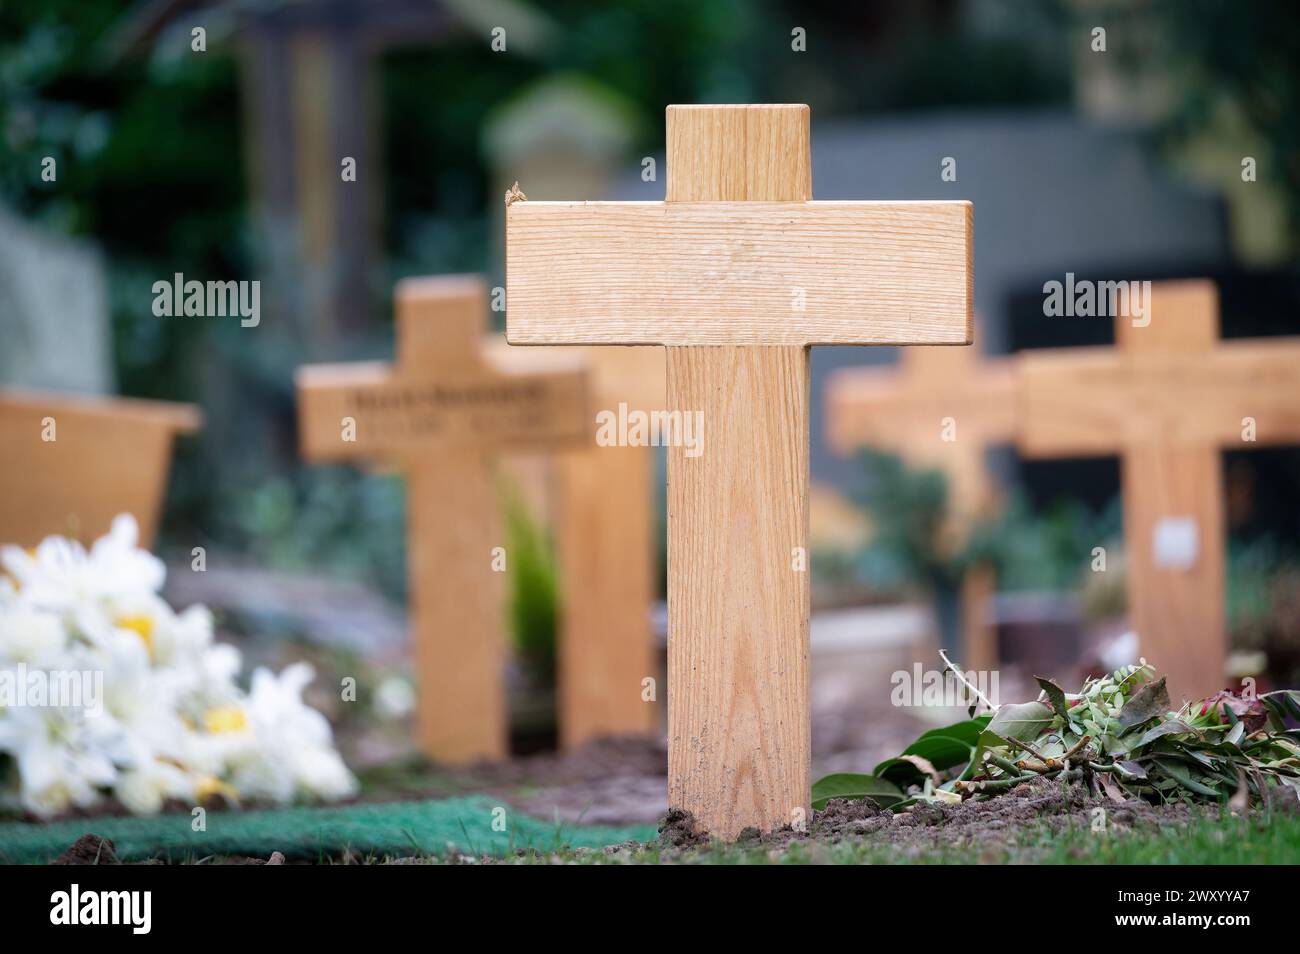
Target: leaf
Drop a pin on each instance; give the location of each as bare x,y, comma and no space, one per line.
968,730
1131,770
1148,702
1111,787
905,770
941,751
1184,778
1055,696
1168,727
854,786
1281,704
1023,721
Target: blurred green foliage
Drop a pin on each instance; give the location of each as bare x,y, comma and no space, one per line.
534,591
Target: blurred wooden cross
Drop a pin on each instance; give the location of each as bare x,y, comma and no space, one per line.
1167,399
737,273
941,408
73,463
441,413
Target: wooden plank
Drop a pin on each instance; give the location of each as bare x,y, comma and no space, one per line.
605,549
442,412
395,413
607,558
1082,402
457,614
1176,610
111,456
739,727
739,735
736,272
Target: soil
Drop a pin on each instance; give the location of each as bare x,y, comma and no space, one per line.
89,850
973,826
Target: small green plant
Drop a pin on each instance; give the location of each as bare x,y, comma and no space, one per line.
1117,735
534,590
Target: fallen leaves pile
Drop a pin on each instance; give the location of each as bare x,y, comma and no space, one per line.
1117,735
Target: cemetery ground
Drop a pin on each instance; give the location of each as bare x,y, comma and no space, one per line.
619,784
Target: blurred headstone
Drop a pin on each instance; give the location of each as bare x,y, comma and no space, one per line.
53,311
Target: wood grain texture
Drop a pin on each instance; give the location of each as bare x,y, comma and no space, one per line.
111,456
738,273
739,725
739,735
457,611
605,542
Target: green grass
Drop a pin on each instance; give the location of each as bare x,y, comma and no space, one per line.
1226,841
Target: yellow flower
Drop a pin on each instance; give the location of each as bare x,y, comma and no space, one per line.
227,719
141,626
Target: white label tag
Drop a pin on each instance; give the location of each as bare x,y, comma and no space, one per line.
1175,543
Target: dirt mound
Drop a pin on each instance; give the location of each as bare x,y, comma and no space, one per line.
89,850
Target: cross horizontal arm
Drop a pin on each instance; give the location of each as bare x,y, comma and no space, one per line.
1093,401
392,413
739,273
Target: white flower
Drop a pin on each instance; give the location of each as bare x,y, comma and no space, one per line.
166,718
287,749
395,698
143,790
60,574
56,769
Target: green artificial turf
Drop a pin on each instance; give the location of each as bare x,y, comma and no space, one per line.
433,828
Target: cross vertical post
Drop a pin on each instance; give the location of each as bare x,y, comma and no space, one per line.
739,722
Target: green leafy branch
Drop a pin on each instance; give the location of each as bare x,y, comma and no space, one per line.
1117,735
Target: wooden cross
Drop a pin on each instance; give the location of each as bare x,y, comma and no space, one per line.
607,557
1167,399
72,463
601,508
441,413
940,408
738,273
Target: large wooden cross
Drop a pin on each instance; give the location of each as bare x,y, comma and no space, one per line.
941,408
1167,399
738,272
441,413
72,463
